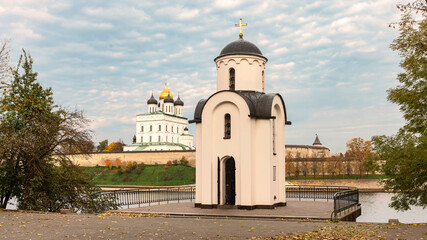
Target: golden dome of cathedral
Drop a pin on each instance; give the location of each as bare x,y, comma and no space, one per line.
165,93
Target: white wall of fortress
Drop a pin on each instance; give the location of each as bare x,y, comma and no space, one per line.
147,157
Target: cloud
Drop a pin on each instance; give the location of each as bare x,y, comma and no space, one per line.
40,13
330,60
227,4
179,12
118,12
21,30
283,66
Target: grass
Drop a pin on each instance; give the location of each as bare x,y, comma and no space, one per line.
151,175
353,176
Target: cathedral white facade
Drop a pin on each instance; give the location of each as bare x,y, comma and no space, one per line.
162,128
240,129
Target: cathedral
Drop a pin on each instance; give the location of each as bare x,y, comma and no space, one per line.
240,129
162,128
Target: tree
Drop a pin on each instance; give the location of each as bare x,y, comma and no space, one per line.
35,135
102,145
404,153
360,150
115,147
4,60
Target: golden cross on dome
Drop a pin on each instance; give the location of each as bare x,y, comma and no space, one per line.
241,25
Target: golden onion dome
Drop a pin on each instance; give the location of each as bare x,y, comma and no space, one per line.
165,93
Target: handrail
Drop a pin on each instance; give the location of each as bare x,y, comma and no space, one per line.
146,195
344,197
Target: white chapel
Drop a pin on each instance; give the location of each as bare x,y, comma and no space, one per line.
163,127
240,133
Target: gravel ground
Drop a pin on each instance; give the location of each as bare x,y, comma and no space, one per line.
34,225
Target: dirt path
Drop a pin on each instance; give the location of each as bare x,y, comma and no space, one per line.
21,225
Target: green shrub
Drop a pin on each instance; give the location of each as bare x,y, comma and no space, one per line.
184,161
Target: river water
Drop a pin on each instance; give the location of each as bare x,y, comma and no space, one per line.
375,209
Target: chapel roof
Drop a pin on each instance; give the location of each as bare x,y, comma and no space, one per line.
259,104
241,47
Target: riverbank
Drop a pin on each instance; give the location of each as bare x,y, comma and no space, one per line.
364,185
33,225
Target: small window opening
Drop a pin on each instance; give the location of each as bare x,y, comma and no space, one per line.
227,126
263,82
232,79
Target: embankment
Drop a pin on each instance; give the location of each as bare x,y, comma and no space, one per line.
364,185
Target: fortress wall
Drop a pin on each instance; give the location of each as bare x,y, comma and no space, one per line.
149,158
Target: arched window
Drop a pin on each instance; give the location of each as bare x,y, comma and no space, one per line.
142,128
232,79
227,126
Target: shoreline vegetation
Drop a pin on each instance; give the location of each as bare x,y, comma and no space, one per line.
176,174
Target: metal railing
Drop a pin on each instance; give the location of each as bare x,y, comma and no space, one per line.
344,197
345,200
127,196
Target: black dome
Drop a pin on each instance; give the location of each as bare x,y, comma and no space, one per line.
152,100
179,102
168,99
241,46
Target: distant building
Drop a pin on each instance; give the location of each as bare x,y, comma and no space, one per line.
163,127
316,150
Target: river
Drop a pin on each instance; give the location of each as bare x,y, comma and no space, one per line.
375,209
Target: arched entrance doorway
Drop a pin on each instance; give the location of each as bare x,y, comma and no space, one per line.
230,181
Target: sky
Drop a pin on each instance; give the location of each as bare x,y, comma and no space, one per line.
330,60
